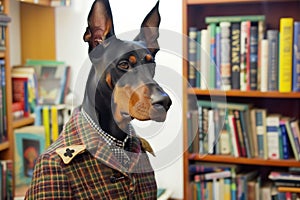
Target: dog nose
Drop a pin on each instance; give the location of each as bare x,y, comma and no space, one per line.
160,97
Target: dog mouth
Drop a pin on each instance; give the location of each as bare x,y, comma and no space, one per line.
158,113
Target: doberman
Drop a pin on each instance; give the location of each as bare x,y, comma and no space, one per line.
120,87
126,89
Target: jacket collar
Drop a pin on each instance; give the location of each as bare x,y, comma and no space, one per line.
78,131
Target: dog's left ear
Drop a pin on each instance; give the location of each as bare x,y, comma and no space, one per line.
100,24
149,30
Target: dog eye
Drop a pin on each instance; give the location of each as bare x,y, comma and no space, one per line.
124,65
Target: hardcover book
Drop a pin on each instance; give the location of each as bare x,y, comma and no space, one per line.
285,54
29,143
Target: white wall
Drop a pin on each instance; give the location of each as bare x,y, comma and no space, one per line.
166,138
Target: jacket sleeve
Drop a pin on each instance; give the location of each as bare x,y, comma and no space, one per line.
48,181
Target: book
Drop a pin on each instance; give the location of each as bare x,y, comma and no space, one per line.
261,132
29,143
205,59
264,66
225,55
285,54
273,54
235,37
285,140
261,31
192,56
212,68
237,18
20,93
272,124
47,125
245,49
253,56
295,145
4,95
30,75
296,57
51,76
218,58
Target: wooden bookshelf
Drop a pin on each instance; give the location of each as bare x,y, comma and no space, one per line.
4,145
287,104
23,122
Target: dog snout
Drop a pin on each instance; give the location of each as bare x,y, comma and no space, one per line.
160,98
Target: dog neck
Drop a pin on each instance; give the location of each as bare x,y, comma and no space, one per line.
97,104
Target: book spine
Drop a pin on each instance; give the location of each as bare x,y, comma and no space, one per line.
235,55
46,123
296,57
285,54
285,139
245,36
241,139
295,148
225,55
212,68
3,84
198,75
192,54
218,58
272,123
253,56
261,29
260,116
205,60
273,45
264,66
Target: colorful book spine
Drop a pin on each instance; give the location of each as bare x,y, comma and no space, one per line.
192,56
54,120
296,57
212,68
218,58
198,57
245,37
285,140
253,56
273,54
225,55
294,144
235,55
285,54
261,30
46,123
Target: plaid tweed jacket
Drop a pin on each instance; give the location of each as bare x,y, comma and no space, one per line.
80,165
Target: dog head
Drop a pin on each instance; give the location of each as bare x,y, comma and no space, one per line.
124,70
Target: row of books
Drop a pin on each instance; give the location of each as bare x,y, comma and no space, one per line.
6,182
231,183
3,111
241,130
31,141
38,83
238,53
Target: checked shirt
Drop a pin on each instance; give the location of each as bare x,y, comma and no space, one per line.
94,172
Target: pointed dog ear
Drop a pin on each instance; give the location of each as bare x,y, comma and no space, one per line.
100,24
149,30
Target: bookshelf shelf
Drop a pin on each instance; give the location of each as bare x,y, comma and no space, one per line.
23,122
237,93
4,146
247,161
2,54
288,189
